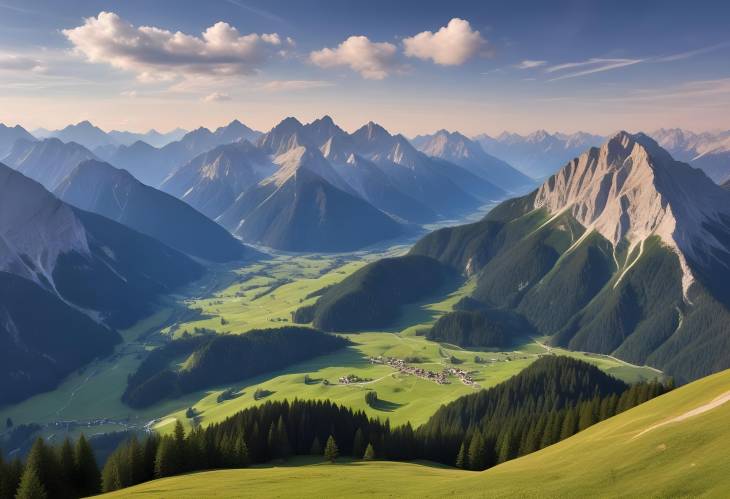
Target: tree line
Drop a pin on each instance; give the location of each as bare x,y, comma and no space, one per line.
216,359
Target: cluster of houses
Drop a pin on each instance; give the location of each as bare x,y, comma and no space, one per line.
401,366
442,378
463,376
351,378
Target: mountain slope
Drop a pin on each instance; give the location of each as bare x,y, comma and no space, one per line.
102,189
707,151
307,213
685,456
212,181
624,251
47,161
63,273
457,149
10,135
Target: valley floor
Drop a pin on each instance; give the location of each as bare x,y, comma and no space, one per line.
263,295
616,458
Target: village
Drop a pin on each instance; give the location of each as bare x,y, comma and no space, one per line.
442,378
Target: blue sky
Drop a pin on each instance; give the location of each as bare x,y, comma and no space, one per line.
412,66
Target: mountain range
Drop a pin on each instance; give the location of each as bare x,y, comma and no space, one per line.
458,149
708,151
151,165
624,251
10,135
303,187
68,278
540,153
92,137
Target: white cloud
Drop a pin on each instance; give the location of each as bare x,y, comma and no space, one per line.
130,93
373,60
216,97
529,64
158,54
294,85
594,65
452,45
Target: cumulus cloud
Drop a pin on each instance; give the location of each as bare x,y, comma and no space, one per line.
373,60
158,54
217,97
529,64
452,45
294,85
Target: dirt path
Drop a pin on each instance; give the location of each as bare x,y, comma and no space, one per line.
716,402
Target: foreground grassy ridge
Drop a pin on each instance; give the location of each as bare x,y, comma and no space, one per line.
680,459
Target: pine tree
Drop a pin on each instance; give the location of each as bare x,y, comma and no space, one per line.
330,450
31,486
87,476
358,444
242,452
316,449
67,468
569,424
506,447
477,452
369,453
111,476
166,461
180,454
41,460
461,458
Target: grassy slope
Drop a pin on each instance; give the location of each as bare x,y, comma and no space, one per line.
687,458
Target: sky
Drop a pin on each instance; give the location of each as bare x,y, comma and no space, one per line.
412,66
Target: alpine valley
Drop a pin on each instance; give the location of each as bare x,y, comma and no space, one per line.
364,249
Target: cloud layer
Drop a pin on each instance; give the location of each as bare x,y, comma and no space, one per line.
452,45
158,54
373,60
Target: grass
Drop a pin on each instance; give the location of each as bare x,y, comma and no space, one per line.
681,459
263,295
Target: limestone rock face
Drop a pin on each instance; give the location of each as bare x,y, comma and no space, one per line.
630,189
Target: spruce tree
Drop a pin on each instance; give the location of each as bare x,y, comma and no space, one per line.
166,461
180,454
87,475
369,453
358,444
67,468
31,486
111,476
242,452
462,461
282,438
477,452
330,450
506,447
569,424
41,460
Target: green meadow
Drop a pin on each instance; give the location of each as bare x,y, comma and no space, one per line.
263,295
658,449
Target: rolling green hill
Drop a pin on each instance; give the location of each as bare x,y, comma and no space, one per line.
675,445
